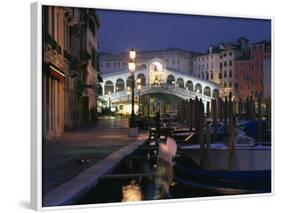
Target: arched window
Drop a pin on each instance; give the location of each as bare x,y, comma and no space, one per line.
142,77
171,80
129,81
216,93
180,83
189,85
236,86
108,87
120,85
207,91
198,88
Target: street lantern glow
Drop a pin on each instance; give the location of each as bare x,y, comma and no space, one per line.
132,54
132,66
138,80
139,87
109,93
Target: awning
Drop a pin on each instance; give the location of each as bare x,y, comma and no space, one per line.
56,73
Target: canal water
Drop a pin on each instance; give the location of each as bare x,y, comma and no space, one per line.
141,176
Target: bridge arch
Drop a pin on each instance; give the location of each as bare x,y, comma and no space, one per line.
207,91
142,77
120,85
198,88
189,85
108,87
216,93
171,79
129,81
180,83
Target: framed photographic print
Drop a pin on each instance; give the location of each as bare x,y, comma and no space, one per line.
136,106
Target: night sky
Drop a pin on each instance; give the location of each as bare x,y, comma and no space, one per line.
121,30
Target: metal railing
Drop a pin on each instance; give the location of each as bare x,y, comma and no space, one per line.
166,89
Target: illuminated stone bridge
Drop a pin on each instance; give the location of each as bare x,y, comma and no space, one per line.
156,78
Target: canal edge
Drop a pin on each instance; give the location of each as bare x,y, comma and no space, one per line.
71,190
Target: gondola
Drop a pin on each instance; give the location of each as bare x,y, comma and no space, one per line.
222,182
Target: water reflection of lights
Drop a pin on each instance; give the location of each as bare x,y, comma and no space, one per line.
131,192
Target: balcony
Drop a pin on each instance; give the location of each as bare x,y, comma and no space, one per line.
53,43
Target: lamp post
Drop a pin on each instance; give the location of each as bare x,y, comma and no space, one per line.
127,105
132,68
139,88
109,100
128,92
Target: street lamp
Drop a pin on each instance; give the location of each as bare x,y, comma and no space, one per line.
128,92
139,88
127,105
132,54
132,69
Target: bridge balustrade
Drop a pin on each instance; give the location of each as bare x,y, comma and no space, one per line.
165,89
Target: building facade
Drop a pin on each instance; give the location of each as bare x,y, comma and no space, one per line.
218,64
155,83
239,67
254,72
70,72
175,59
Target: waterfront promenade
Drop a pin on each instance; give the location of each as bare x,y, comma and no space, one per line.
77,151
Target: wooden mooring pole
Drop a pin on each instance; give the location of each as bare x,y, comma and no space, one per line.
232,124
220,109
268,112
208,109
225,113
191,113
187,114
200,120
259,119
208,150
214,113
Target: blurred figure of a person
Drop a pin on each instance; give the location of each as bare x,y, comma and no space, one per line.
164,173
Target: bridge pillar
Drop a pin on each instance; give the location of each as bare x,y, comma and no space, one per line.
187,118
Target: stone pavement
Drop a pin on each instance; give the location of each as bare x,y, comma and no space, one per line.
76,151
